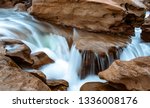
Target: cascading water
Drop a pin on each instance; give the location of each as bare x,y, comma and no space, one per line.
137,48
38,36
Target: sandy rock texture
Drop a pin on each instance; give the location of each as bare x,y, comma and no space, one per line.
93,15
134,74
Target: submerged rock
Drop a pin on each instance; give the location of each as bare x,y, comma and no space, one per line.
13,78
94,15
134,74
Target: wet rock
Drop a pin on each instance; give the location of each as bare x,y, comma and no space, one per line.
147,3
146,36
97,86
10,3
134,74
92,15
12,78
146,30
6,4
38,74
20,7
58,85
16,50
98,50
40,59
99,42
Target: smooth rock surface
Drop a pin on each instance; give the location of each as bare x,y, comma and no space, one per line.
16,50
40,59
134,74
99,42
94,15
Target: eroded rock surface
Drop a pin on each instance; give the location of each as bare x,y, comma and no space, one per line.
146,30
16,50
40,59
13,78
134,74
98,50
11,3
94,15
58,85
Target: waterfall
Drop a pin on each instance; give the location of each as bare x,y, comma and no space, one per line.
137,47
39,36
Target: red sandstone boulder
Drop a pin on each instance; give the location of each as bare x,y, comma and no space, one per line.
40,59
94,15
134,74
16,50
13,78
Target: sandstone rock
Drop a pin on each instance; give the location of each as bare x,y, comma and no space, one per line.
58,85
13,78
20,7
99,42
40,59
10,3
93,15
6,4
146,30
97,86
16,50
39,75
134,74
98,50
147,3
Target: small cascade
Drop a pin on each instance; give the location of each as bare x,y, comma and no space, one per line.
137,47
77,67
147,14
39,36
93,63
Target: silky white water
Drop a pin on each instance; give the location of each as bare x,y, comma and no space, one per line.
38,37
137,47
